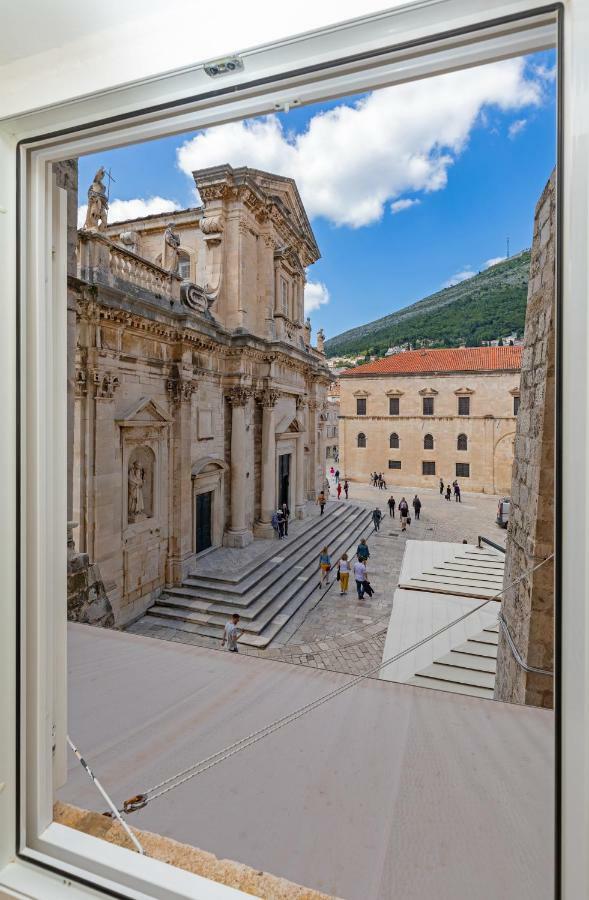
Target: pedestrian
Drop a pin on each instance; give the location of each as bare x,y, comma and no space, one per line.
360,576
416,506
339,490
280,517
286,515
274,521
384,484
343,568
324,567
331,470
448,492
321,501
231,633
391,502
346,488
337,476
441,487
403,513
376,517
457,492
362,551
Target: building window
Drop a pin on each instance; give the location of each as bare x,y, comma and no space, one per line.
463,470
360,406
462,442
394,441
393,406
284,295
428,468
464,406
516,405
428,406
184,266
361,440
394,463
428,442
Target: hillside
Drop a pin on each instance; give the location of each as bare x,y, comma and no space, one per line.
490,305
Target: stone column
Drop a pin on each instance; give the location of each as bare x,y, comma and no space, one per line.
300,483
238,534
267,400
312,439
180,387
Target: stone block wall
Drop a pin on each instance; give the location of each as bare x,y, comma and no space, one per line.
528,608
87,601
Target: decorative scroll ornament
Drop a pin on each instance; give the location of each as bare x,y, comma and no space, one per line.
194,296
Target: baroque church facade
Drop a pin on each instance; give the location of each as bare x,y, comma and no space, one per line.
199,403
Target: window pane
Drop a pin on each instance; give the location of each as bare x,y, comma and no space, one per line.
394,463
361,406
428,468
428,442
394,440
463,470
428,406
361,440
515,406
462,443
464,406
393,406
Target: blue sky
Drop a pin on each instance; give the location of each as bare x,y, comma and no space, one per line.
474,149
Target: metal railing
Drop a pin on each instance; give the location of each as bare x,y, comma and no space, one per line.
484,540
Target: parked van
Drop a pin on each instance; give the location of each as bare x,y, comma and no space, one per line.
503,512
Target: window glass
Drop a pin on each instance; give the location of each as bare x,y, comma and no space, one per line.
361,406
394,463
361,440
184,266
394,440
516,405
462,442
463,470
428,406
393,406
464,406
428,442
428,467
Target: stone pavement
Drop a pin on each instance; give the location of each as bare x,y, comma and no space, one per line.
344,634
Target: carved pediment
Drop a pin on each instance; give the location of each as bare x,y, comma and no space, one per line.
515,392
464,392
361,394
288,424
145,411
428,392
394,393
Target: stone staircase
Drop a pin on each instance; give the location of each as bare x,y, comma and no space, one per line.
469,668
272,588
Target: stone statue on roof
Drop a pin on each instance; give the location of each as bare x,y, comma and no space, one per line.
96,213
171,253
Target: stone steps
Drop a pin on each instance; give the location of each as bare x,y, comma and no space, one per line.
274,593
469,668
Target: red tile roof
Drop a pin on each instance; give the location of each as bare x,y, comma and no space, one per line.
460,359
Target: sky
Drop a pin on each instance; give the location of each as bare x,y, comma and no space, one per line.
408,188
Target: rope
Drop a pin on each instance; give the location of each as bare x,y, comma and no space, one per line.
515,652
168,784
113,808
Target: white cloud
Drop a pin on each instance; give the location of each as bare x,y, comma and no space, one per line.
493,261
355,158
516,127
120,210
546,73
316,295
399,205
458,277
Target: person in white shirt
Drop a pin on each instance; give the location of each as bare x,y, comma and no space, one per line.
360,573
231,633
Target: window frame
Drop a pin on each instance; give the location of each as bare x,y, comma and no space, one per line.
458,447
397,464
433,443
427,401
361,436
394,441
46,853
397,402
465,399
359,401
465,465
429,463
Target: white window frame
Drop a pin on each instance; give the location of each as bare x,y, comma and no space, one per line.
36,855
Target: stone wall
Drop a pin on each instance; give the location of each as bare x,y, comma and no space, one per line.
528,608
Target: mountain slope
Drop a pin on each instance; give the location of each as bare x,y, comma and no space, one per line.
490,305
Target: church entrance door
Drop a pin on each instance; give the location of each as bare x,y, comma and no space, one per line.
204,504
284,478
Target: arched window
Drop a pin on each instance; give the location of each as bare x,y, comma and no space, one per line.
462,442
394,441
361,440
428,442
183,265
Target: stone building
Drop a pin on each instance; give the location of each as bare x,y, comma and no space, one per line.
429,414
528,606
332,423
200,403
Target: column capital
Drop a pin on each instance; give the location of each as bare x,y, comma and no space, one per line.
180,389
238,396
267,398
301,401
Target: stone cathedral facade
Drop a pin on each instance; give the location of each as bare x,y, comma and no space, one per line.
199,402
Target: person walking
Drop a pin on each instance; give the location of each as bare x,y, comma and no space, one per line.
416,506
339,490
391,502
457,492
343,568
280,518
362,551
286,515
448,492
324,567
346,488
403,513
321,501
360,574
337,476
441,487
231,634
376,517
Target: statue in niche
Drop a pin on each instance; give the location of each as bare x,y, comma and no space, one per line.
96,214
136,481
171,249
